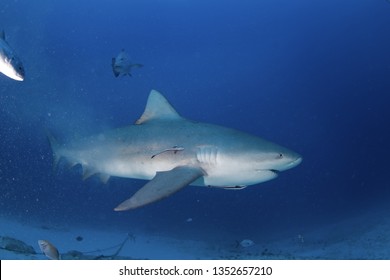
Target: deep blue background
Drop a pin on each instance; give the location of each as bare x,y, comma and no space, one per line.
310,75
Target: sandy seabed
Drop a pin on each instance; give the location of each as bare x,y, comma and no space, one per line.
361,237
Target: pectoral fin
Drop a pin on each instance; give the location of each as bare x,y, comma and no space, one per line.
162,185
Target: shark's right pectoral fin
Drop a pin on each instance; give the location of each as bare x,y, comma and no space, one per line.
161,186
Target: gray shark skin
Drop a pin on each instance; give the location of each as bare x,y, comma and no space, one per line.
10,64
121,65
173,152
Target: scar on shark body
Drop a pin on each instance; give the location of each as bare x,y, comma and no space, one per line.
174,149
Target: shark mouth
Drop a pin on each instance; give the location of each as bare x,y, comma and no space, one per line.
235,188
274,171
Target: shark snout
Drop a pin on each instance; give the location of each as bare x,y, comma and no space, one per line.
295,160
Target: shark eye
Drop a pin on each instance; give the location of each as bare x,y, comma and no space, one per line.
280,155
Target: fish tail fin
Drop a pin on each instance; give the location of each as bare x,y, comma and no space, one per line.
55,146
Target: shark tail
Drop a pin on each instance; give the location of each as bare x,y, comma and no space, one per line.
55,146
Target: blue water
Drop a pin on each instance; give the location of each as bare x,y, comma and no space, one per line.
313,76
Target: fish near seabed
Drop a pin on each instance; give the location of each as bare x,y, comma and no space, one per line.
10,63
245,243
173,152
49,250
121,65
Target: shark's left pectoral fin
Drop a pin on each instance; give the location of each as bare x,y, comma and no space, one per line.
161,186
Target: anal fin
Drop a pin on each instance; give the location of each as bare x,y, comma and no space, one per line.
104,178
161,186
88,172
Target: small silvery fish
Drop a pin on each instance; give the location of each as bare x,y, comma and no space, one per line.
49,250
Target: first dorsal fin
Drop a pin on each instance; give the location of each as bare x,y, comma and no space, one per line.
158,108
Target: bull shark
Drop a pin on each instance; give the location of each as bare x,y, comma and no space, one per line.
10,64
173,152
121,65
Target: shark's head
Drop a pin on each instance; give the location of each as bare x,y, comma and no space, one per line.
250,161
280,159
268,159
14,68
